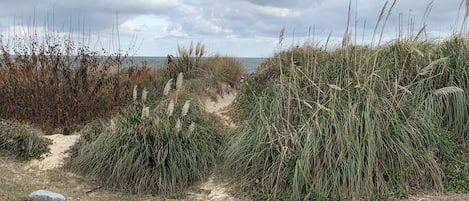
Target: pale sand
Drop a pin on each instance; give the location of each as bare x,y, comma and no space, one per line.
57,154
221,102
211,191
218,191
217,106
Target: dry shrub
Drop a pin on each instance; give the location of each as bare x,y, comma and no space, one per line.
61,85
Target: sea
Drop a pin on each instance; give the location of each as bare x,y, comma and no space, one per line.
250,64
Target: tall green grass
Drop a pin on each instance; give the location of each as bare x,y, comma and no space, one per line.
353,123
159,149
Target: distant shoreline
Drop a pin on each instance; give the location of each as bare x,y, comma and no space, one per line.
249,63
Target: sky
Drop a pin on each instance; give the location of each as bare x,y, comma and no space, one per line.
239,28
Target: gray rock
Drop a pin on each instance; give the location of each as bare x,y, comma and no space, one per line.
43,195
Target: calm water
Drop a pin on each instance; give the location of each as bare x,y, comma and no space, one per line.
249,64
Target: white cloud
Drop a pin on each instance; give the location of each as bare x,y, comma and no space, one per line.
237,27
175,31
276,12
210,27
131,26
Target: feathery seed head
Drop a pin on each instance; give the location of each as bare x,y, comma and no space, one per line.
135,93
430,66
144,95
448,90
170,109
179,81
177,127
167,87
185,108
145,113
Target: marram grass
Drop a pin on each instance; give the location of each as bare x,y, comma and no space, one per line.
354,123
162,150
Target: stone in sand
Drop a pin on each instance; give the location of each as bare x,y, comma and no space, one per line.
43,195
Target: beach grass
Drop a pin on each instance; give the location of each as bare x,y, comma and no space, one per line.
353,123
161,149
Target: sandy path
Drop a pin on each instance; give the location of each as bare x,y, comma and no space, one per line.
218,106
211,190
55,158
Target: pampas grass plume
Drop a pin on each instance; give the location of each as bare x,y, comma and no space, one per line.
170,109
177,127
167,87
144,95
179,81
145,113
430,66
447,90
185,108
135,93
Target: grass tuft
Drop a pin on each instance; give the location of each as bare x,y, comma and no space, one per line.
157,150
22,140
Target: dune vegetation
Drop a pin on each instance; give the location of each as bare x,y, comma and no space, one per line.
356,122
159,149
143,130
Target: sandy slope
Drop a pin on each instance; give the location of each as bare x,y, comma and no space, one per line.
218,106
210,190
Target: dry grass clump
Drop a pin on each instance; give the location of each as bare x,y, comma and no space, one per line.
159,149
217,74
189,58
210,73
354,123
22,140
219,69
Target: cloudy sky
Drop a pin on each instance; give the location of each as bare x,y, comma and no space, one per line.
243,28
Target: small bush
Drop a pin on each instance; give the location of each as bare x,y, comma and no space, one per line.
22,140
162,149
